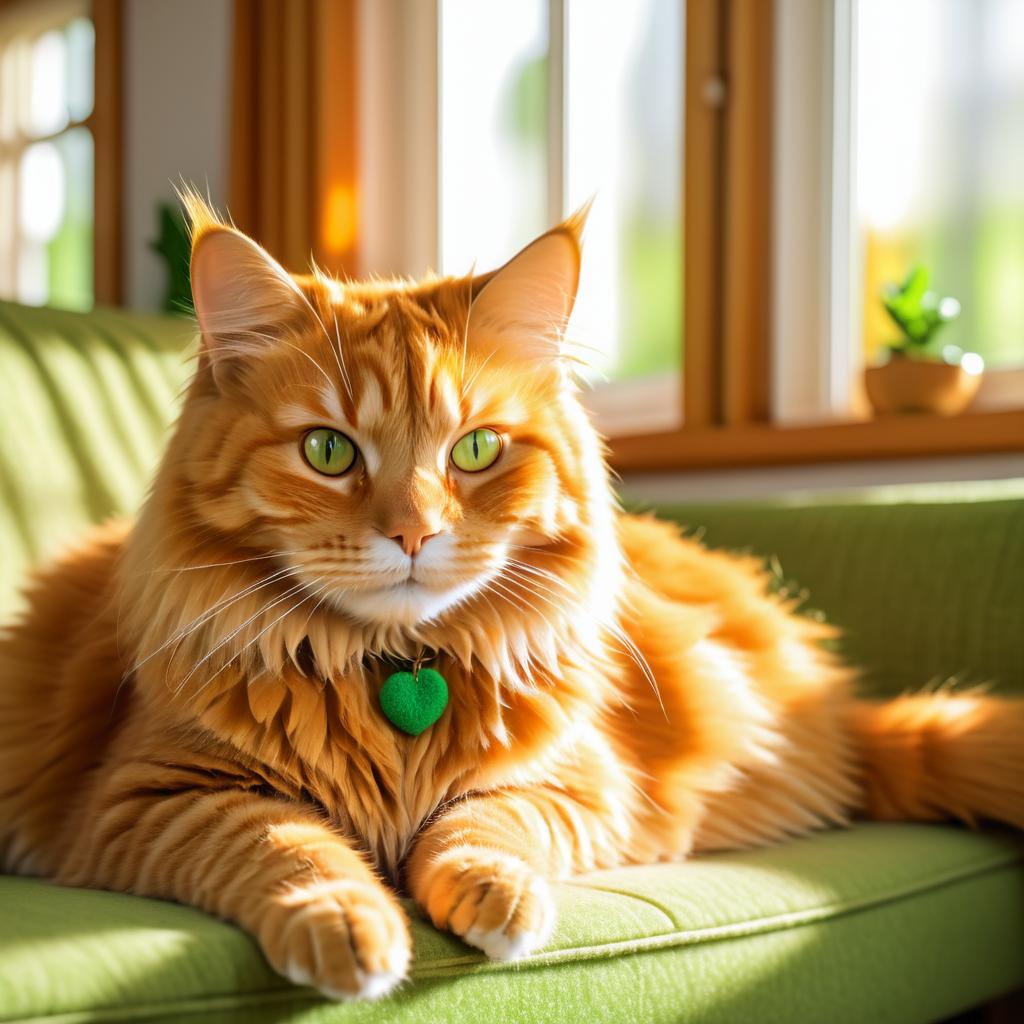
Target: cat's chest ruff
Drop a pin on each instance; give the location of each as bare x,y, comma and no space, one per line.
326,739
380,784
384,796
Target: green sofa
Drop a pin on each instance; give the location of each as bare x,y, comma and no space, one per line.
896,923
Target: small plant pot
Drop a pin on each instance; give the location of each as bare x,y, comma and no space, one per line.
916,385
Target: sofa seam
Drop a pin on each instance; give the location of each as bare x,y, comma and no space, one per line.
731,930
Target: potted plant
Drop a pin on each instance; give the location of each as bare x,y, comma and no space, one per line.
916,378
175,247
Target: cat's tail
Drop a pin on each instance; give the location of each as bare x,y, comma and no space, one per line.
936,756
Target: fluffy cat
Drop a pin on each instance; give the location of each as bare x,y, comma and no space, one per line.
189,707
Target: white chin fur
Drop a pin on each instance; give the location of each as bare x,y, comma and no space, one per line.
404,605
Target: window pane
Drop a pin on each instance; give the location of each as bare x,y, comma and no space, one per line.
55,189
32,273
48,99
70,250
80,38
493,86
624,120
41,191
940,164
46,186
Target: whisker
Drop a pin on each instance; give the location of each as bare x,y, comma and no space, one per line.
316,607
222,605
237,561
291,591
339,357
514,597
269,626
529,585
616,631
636,655
543,573
467,384
326,375
543,552
273,339
253,589
465,338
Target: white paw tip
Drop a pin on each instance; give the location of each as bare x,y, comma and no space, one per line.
369,984
298,975
377,984
499,945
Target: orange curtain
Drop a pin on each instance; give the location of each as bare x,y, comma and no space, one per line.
294,157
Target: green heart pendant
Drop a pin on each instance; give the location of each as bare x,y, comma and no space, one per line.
413,703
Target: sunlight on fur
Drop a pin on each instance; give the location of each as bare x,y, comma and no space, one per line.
189,708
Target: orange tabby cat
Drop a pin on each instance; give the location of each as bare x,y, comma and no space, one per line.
189,709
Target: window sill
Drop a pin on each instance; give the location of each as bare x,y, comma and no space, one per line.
891,437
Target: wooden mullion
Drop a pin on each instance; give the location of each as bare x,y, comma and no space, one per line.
747,214
108,152
17,143
556,111
702,212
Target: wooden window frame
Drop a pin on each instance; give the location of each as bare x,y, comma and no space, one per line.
108,152
104,124
727,354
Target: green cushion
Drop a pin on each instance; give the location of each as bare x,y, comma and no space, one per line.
85,401
880,923
924,589
894,923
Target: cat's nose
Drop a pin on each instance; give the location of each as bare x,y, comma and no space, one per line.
411,538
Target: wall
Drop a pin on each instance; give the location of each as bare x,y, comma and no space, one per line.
176,94
398,136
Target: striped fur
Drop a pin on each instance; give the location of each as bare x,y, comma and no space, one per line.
188,708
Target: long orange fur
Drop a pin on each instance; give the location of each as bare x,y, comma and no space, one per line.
188,708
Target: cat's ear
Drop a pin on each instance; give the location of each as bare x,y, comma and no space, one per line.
521,310
244,299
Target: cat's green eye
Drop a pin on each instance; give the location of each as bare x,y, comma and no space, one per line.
478,450
328,451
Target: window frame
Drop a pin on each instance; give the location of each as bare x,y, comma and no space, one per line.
33,18
815,413
108,152
758,387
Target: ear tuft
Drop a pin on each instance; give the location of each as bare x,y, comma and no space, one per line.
575,224
523,308
199,211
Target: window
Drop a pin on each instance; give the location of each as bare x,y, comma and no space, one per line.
46,158
899,142
544,105
493,153
939,151
729,311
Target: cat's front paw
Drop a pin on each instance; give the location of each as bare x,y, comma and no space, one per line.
491,900
347,938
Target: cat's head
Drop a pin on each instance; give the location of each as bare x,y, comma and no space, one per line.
397,449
